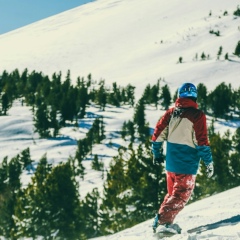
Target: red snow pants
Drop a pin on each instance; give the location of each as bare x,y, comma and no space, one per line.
180,188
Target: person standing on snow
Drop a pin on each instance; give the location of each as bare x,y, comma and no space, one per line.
185,130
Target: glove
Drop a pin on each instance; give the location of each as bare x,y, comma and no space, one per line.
157,153
209,170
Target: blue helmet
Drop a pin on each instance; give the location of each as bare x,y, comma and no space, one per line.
187,90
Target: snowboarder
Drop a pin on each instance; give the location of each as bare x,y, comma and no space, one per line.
185,130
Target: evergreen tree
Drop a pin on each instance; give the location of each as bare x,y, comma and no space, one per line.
25,159
33,80
220,100
41,121
50,204
237,49
128,130
139,120
132,200
5,103
6,203
130,94
90,212
221,180
96,164
63,202
83,96
23,82
236,140
10,187
147,94
219,52
101,95
114,97
124,131
203,56
34,215
54,123
155,94
226,56
146,181
10,87
56,92
165,97
151,94
237,12
82,149
113,207
202,97
68,108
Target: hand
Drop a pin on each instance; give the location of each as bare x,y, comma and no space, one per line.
157,153
209,170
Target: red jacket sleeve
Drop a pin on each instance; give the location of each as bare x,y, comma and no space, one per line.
162,124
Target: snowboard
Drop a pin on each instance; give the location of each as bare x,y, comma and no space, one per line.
163,232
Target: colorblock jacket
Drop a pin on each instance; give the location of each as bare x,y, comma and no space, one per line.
185,130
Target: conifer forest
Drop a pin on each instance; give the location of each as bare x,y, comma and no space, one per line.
51,205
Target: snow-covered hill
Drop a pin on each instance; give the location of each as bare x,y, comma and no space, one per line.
126,41
219,214
131,41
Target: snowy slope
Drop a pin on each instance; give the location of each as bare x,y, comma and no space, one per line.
210,210
131,41
126,41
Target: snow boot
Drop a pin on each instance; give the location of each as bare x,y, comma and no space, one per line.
155,223
174,226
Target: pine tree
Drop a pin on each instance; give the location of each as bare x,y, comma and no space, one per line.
237,12
54,123
6,196
139,120
114,97
90,212
101,95
147,94
25,159
113,207
236,140
219,52
10,187
96,164
56,92
220,100
5,103
146,181
63,202
237,49
128,130
130,94
50,204
83,96
203,56
41,121
221,180
202,96
165,97
82,149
